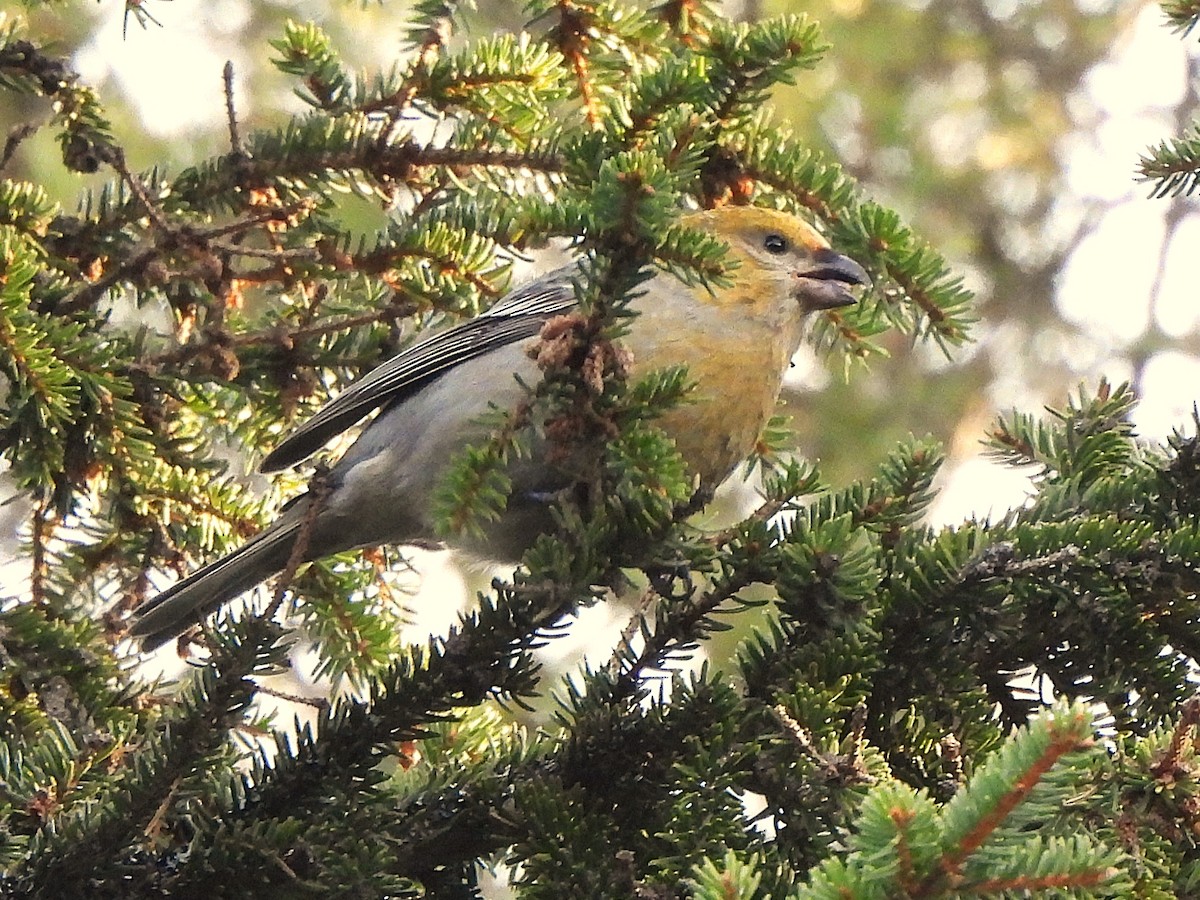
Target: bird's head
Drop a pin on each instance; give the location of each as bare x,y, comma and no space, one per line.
778,252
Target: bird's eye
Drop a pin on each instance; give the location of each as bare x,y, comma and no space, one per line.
776,244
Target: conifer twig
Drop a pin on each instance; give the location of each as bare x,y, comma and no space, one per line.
16,135
1168,768
318,492
235,139
1062,740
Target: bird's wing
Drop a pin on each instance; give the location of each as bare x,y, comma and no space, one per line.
518,316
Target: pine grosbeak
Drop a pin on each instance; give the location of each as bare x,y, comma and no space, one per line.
736,344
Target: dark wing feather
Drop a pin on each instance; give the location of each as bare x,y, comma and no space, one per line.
518,316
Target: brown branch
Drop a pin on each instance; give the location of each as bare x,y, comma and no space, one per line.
115,157
429,197
1168,768
591,109
906,876
385,162
279,213
917,294
571,37
483,157
40,530
181,236
401,101
681,630
318,491
235,139
632,627
765,512
811,201
1061,743
154,825
15,136
317,703
87,294
800,735
264,252
384,258
270,336
310,331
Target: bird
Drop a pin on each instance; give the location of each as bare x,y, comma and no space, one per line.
736,341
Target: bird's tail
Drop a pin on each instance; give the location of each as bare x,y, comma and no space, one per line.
184,604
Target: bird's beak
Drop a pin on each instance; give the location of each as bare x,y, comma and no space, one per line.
824,284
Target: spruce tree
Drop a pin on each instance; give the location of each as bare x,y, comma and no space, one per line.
1001,708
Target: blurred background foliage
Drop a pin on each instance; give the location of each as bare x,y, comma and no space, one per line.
1006,132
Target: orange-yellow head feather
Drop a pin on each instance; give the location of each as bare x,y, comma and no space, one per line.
780,257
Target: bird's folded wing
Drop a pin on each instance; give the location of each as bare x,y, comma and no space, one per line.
518,316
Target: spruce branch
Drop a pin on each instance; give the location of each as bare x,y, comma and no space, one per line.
750,58
1182,15
678,625
901,841
844,767
1173,166
1013,776
1183,739
431,29
486,655
347,144
734,879
85,843
883,660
